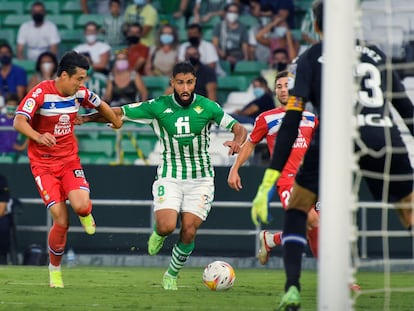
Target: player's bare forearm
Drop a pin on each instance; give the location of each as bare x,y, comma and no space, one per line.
240,135
234,180
112,115
22,125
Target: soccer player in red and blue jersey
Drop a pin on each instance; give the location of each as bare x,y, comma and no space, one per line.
267,125
47,115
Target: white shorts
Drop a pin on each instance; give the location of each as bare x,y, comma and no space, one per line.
190,195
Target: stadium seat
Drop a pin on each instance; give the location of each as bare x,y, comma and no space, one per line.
228,84
71,7
248,20
91,150
27,64
85,18
225,65
71,36
62,21
8,35
249,69
52,7
13,21
156,85
7,158
7,8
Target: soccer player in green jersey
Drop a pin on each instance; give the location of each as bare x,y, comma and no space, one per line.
185,178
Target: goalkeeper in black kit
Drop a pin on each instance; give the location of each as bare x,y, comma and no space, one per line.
377,132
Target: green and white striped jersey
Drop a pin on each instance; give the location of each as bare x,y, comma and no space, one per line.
184,133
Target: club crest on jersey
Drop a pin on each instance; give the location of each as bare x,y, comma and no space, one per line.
198,109
79,173
29,104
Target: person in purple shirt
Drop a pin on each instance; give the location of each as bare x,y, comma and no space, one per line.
10,139
13,78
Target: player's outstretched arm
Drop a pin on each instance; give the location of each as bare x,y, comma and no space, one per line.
98,117
234,180
110,115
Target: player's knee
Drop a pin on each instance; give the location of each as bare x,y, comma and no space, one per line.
188,234
82,207
165,228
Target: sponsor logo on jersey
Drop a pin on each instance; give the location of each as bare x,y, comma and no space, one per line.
168,110
29,105
79,173
198,109
63,126
36,92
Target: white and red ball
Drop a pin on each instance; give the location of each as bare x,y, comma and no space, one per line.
219,276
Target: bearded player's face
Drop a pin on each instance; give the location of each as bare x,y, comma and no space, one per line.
184,85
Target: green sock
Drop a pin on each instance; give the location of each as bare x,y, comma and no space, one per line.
180,254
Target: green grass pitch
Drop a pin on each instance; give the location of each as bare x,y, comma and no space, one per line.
139,288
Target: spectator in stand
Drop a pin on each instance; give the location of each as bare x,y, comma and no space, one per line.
143,13
275,36
99,51
309,36
263,102
264,15
230,37
124,86
285,11
112,24
94,6
163,56
10,143
95,81
208,53
138,53
38,35
46,67
205,10
280,61
206,83
13,78
185,9
6,219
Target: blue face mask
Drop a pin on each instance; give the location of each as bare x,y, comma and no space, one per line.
139,2
166,38
258,92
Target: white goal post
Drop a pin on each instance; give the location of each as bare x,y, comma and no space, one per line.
335,271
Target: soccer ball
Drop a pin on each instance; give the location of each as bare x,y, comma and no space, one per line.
219,276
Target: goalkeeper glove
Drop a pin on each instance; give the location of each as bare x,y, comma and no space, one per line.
259,210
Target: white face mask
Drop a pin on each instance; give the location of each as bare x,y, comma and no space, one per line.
90,38
46,66
232,17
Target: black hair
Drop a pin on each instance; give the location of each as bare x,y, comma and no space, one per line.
12,97
115,1
228,5
282,74
280,50
183,67
71,61
317,9
38,3
46,53
195,26
261,80
135,25
6,45
91,23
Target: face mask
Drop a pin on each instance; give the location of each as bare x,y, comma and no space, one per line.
139,2
121,64
46,66
90,38
133,39
5,60
258,92
194,41
232,17
38,18
280,66
166,38
194,60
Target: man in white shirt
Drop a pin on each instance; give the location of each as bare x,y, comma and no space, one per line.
208,53
38,35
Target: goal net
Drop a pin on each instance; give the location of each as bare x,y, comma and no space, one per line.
370,230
